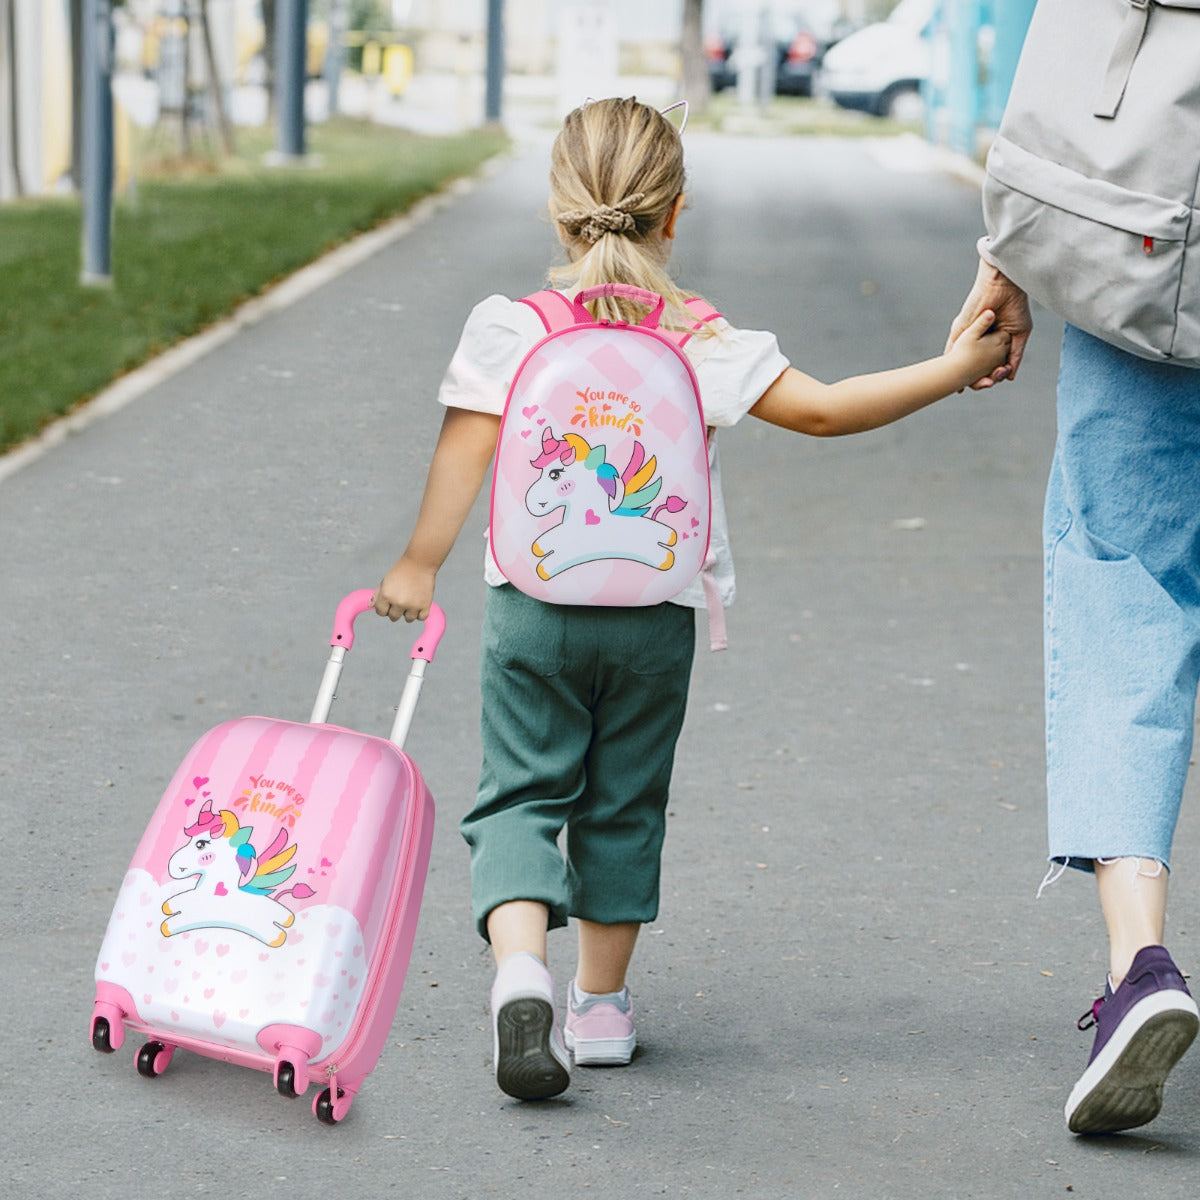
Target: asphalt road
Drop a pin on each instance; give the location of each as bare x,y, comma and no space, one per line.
850,989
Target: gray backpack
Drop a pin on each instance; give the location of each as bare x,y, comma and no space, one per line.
1090,199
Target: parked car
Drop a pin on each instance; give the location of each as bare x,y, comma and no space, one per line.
799,50
882,68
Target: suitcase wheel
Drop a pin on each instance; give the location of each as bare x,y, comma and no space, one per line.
323,1107
285,1080
102,1036
153,1059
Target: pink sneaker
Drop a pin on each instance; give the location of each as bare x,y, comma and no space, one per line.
530,1059
600,1029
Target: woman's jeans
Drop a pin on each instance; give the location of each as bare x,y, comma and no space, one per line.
1122,628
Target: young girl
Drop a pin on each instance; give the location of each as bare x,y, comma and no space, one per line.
574,733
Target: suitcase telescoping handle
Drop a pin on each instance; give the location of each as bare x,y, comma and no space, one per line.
343,639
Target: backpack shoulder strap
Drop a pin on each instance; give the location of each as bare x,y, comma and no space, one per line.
553,308
699,308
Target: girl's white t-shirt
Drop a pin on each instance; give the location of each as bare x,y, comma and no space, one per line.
733,370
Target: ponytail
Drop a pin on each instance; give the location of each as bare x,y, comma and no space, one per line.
616,171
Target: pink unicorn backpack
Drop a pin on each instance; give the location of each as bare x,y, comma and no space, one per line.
600,489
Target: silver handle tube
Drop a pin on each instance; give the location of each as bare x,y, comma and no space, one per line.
408,703
327,692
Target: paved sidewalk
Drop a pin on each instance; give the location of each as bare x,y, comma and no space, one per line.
850,989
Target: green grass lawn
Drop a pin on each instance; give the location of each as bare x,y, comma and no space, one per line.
189,243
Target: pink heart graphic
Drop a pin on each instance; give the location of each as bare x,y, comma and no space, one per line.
199,781
243,1013
695,522
358,951
685,536
238,976
220,890
326,863
174,1016
526,432
528,412
541,420
201,945
209,993
219,1018
590,518
104,967
333,931
128,957
222,951
263,957
189,802
149,999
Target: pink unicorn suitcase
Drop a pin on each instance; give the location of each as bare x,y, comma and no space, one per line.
268,915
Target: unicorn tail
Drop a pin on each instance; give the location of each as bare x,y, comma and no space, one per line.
674,504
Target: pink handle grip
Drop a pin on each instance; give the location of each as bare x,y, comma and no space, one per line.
435,625
652,300
357,603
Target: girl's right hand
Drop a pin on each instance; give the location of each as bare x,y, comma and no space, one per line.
405,591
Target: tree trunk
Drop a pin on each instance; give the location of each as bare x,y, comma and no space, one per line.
214,82
697,86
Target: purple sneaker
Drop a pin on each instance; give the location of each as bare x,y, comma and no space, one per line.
1142,1031
600,1029
530,1059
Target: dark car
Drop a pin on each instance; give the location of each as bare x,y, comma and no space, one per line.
799,50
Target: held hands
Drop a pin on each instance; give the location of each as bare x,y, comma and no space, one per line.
982,350
405,591
1010,307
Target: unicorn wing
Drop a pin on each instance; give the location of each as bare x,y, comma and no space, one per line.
639,502
637,479
273,870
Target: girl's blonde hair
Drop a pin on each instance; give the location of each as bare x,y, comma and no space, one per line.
616,170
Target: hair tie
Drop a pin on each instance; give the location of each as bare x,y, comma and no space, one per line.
607,218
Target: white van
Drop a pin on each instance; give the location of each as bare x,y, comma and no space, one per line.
882,68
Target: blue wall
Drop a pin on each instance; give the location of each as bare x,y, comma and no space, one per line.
976,44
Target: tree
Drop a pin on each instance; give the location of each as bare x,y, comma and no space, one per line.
697,86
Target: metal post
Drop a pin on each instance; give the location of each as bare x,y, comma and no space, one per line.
97,141
335,53
495,61
291,25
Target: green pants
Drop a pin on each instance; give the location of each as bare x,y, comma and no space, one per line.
582,708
